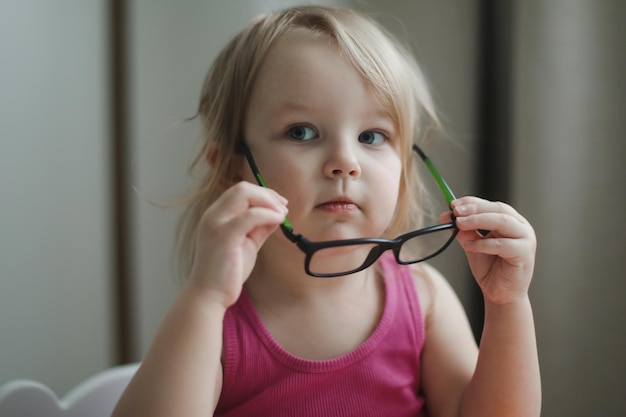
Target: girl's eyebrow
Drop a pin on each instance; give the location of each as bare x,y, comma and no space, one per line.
296,105
382,116
287,110
376,114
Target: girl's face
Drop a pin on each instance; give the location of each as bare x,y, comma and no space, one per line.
322,139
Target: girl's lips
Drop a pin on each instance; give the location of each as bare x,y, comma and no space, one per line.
338,206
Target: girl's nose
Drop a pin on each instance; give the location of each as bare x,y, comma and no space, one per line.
342,160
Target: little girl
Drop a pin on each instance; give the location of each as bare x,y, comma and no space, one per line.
300,301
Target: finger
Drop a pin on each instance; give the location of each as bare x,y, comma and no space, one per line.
514,251
499,224
470,205
466,207
256,224
255,195
245,195
446,217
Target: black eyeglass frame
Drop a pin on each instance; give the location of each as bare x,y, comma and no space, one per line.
382,245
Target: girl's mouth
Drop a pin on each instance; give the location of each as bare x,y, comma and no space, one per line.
338,207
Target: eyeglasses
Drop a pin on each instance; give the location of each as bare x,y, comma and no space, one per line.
336,258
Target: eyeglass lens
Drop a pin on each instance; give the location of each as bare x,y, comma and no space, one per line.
342,259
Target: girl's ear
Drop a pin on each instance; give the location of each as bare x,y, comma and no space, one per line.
211,156
231,176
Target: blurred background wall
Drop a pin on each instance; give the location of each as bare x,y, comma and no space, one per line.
56,317
569,178
92,94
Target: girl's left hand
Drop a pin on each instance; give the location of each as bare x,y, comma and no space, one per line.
503,261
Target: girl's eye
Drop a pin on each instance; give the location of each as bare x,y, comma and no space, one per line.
301,133
371,137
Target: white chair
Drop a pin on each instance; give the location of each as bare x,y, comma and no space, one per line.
95,397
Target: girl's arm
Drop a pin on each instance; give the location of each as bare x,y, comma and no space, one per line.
182,373
507,379
502,379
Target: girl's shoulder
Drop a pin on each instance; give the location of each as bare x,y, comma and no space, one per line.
432,288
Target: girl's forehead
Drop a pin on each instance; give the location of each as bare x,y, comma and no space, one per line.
306,68
296,51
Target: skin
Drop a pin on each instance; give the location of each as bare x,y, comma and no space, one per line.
306,118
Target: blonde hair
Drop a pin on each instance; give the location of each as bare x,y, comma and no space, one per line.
374,53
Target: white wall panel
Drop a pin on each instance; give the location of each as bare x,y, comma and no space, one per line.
55,318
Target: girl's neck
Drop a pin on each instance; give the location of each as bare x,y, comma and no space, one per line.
308,316
289,281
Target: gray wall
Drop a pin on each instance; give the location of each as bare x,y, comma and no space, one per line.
55,306
570,180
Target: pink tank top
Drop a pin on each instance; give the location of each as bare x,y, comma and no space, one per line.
379,378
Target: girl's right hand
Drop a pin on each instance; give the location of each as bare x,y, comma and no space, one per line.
230,234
